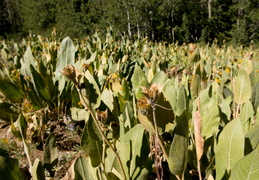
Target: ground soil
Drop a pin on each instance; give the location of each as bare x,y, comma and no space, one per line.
67,142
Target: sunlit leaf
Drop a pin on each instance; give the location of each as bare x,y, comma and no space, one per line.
247,167
230,148
242,87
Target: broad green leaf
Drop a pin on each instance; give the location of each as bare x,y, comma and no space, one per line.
230,148
83,169
166,116
225,106
9,167
50,159
8,112
91,144
178,153
130,151
78,114
242,87
10,90
27,60
93,91
37,170
253,136
196,85
138,79
210,118
247,66
66,56
170,93
254,76
181,103
247,167
40,85
247,115
160,78
107,98
146,122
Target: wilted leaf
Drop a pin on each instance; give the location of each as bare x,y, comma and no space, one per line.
199,141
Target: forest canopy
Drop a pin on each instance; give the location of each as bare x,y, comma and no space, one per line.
234,21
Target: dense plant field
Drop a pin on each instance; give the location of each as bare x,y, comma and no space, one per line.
141,110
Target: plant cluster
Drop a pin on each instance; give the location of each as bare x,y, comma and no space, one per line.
150,110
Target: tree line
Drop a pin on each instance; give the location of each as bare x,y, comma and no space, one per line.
235,21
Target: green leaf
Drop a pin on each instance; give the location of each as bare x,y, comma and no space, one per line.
253,136
247,115
107,98
254,76
8,112
78,114
210,118
10,90
91,144
66,56
179,148
181,101
160,78
138,79
27,60
50,154
37,170
170,93
196,85
83,169
247,167
242,87
93,90
146,122
40,85
131,152
9,167
255,96
230,148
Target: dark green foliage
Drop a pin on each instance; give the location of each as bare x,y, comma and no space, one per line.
171,20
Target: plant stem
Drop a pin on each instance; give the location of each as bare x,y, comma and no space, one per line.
89,108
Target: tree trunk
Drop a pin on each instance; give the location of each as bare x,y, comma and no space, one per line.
209,8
